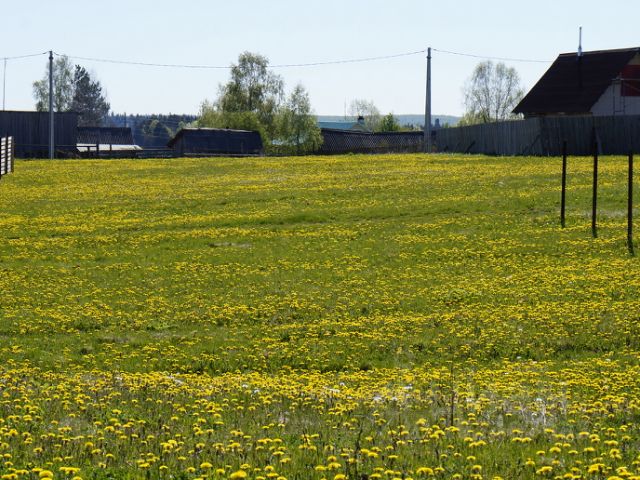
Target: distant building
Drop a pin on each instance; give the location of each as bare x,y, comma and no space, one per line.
106,140
346,125
605,82
216,141
30,131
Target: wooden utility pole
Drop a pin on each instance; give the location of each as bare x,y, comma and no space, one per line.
427,107
51,126
4,87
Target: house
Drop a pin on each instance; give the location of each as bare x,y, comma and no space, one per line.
346,125
106,140
216,141
30,131
598,83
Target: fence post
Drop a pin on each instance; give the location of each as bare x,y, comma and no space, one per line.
564,184
13,152
630,207
594,200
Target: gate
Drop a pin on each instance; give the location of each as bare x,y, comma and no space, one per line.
7,149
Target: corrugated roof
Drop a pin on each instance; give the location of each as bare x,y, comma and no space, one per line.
218,140
105,135
573,84
346,125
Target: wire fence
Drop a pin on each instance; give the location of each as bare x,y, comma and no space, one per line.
341,141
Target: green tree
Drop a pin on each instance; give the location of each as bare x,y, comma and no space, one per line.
155,132
253,99
253,88
491,93
389,124
368,110
88,99
298,130
212,116
62,87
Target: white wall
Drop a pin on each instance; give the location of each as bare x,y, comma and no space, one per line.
612,103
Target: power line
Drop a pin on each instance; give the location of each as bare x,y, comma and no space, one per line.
18,57
355,60
284,65
142,64
298,65
504,59
226,67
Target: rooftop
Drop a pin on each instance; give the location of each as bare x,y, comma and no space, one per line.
573,84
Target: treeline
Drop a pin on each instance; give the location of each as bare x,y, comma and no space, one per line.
153,130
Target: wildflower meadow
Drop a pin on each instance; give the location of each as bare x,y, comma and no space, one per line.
353,317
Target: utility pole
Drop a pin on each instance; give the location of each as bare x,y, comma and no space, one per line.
51,126
427,107
4,86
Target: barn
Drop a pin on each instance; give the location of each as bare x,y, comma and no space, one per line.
216,141
598,83
111,141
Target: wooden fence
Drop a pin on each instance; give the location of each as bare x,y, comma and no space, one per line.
544,136
30,131
7,154
347,141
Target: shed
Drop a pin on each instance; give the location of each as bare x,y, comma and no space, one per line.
603,82
30,131
216,141
117,140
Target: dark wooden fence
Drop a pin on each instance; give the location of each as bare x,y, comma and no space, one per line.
30,131
345,141
7,149
544,136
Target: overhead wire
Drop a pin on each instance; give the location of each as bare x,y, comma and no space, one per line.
274,66
299,65
227,67
18,57
283,65
487,57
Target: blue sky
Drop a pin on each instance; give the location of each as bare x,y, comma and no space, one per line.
287,31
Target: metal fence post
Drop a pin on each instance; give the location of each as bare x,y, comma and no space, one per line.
630,207
594,200
564,184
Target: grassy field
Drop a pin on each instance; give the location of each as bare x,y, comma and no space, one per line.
356,317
